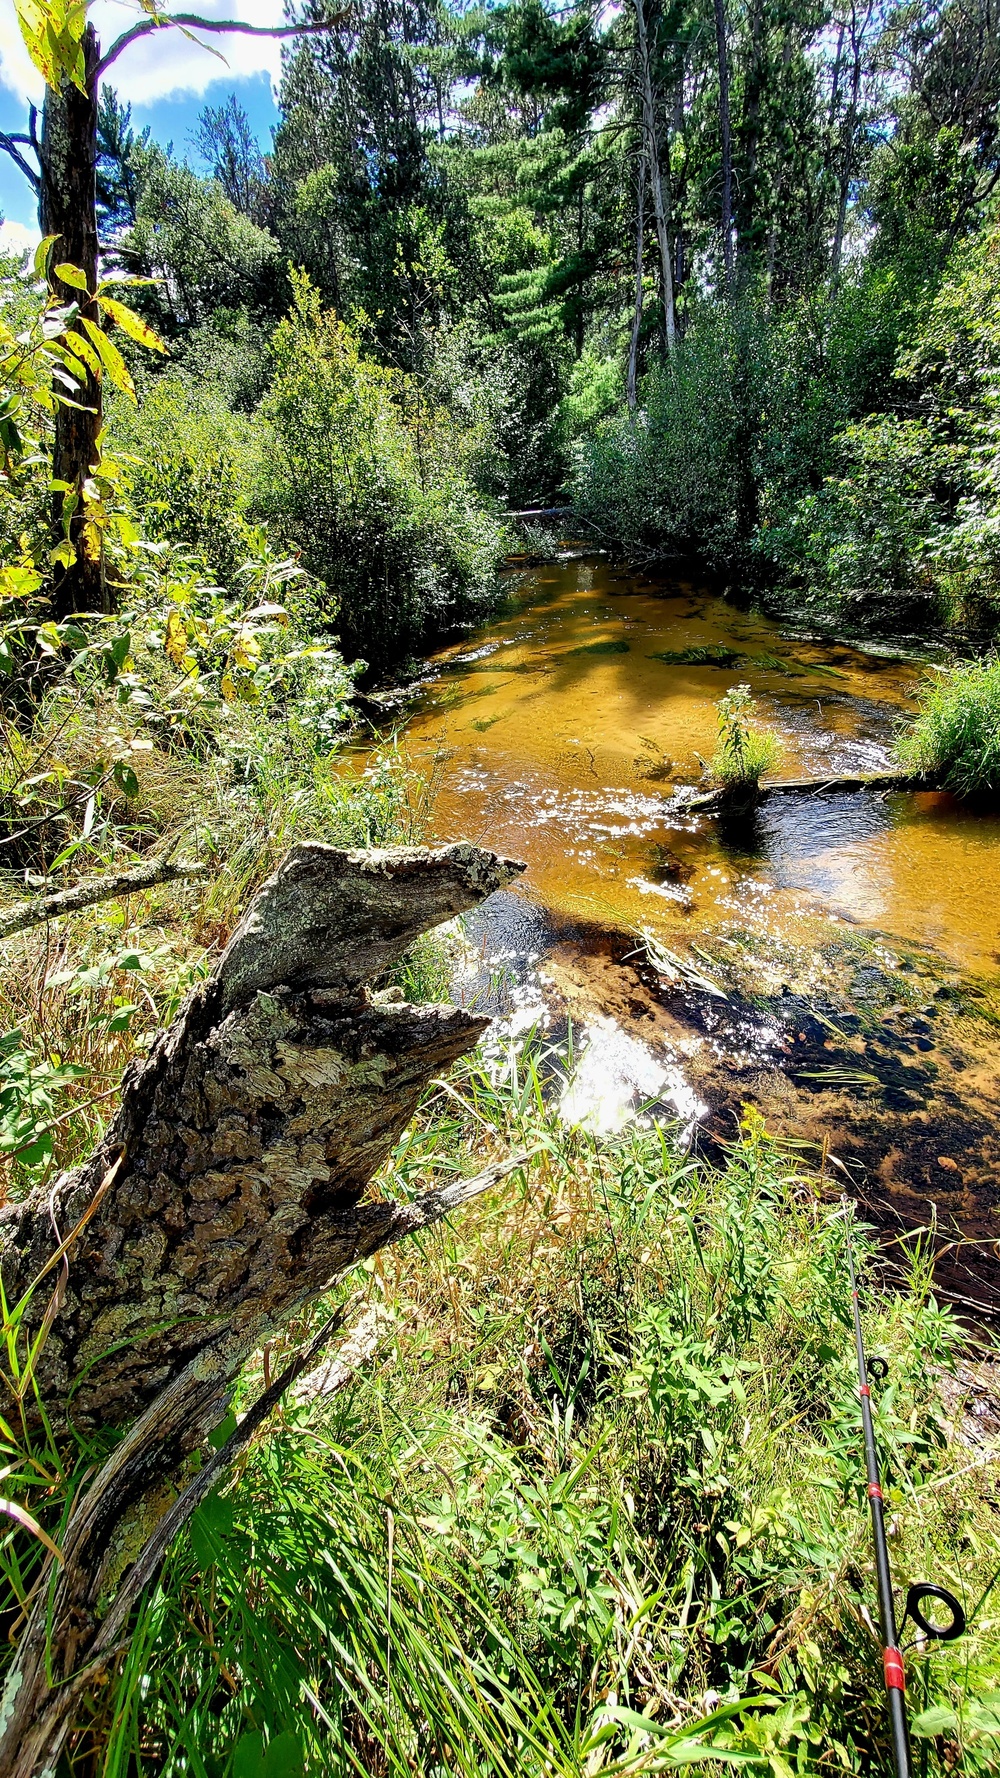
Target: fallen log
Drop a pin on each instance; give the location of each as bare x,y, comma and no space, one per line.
226,1194
705,801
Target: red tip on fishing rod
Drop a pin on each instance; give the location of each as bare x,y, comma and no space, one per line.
864,1390
875,1492
892,1661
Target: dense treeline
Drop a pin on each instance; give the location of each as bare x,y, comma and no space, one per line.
722,274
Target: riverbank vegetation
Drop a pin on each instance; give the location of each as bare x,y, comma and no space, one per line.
593,1498
726,282
955,737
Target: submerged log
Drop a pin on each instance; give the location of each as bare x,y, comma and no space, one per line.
225,1195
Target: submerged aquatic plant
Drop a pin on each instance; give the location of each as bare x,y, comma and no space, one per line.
955,737
744,753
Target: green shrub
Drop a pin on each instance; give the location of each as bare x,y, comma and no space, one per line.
681,475
955,739
744,753
360,474
186,457
863,545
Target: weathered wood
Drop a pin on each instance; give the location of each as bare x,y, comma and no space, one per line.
35,1715
705,801
25,914
225,1195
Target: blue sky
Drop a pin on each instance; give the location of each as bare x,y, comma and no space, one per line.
166,79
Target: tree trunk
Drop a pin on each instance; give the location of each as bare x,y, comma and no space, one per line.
652,140
850,130
749,224
640,229
726,138
225,1196
68,209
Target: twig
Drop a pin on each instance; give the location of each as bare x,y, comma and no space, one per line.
87,894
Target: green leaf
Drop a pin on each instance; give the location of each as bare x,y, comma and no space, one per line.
42,251
935,1721
225,1429
248,1755
125,778
283,1758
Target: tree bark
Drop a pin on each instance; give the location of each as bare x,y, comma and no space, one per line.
726,140
225,1196
850,132
651,135
640,230
67,208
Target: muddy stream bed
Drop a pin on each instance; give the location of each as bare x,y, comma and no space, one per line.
833,959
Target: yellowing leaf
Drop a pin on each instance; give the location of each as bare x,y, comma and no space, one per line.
52,31
64,554
176,644
131,323
227,686
246,652
83,349
71,274
111,358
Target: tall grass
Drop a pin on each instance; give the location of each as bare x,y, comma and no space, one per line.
955,738
599,1502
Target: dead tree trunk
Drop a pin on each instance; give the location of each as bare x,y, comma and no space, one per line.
67,208
225,1195
651,136
725,140
640,229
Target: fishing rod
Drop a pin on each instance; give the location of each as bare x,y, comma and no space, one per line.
892,1654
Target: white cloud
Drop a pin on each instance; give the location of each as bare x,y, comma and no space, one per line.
15,238
164,64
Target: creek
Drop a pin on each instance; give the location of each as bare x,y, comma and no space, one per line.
831,959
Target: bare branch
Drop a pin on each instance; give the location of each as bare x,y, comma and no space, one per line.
191,21
86,895
9,146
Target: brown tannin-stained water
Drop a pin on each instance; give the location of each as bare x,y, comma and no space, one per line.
831,959
562,727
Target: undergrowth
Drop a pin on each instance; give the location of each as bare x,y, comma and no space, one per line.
598,1503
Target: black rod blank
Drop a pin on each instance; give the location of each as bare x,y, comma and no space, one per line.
892,1660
